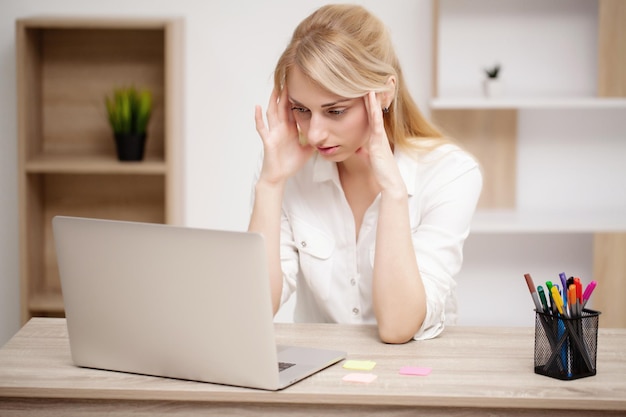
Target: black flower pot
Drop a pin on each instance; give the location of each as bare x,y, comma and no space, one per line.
130,147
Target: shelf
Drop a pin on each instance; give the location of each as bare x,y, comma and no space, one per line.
49,303
100,22
93,164
528,103
67,163
517,221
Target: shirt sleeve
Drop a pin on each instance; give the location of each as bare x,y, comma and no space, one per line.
288,260
447,207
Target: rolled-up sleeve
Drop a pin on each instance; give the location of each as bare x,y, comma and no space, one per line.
446,207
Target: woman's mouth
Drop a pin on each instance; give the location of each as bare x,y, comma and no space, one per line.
325,151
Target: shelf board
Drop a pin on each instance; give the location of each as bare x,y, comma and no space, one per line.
48,303
93,164
528,103
511,221
89,22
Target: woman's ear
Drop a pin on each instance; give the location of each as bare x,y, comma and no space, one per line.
390,92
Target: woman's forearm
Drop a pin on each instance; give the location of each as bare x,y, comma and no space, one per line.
398,291
265,219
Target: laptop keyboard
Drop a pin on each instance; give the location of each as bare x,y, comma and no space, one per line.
284,365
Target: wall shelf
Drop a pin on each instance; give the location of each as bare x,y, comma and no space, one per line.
589,103
518,221
93,164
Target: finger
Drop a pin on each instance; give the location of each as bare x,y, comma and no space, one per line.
272,108
375,113
259,122
366,99
283,105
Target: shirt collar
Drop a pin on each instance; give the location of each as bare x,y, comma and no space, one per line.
324,170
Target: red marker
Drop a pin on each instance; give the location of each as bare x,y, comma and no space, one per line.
533,292
579,291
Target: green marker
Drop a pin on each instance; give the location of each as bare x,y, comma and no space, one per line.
542,297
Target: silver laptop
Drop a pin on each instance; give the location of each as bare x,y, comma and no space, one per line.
174,302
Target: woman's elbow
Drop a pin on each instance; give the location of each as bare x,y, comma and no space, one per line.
396,336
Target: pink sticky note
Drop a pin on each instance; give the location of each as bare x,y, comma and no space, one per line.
415,370
364,378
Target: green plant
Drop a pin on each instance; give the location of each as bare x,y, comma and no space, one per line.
493,72
129,110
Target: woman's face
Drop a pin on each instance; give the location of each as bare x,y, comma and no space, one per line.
335,125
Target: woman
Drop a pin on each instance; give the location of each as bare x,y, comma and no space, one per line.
363,204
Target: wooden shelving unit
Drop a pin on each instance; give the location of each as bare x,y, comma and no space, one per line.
589,103
67,161
488,128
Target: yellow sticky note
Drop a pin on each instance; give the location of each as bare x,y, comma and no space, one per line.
359,365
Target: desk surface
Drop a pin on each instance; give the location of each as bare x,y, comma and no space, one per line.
473,369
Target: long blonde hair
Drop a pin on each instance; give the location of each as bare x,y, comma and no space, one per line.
348,51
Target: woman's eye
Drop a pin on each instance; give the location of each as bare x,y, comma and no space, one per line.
336,112
299,109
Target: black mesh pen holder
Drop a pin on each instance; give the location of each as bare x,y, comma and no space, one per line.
566,348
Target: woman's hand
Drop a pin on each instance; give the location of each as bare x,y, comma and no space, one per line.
378,150
283,153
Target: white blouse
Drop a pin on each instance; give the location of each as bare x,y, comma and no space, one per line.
332,270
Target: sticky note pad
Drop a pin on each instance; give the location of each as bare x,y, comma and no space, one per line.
359,365
415,370
363,378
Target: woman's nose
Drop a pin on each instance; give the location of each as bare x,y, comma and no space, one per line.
316,133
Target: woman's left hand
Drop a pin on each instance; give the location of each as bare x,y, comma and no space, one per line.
377,149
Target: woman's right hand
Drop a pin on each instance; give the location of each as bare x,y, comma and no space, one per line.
283,155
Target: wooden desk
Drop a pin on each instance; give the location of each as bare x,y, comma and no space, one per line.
474,370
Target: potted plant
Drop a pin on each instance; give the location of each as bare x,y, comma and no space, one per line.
129,112
492,85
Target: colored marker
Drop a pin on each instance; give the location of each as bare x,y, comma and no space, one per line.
533,292
544,301
571,296
579,295
564,285
549,287
564,350
588,291
557,299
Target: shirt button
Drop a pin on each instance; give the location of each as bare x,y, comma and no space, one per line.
355,311
303,244
353,282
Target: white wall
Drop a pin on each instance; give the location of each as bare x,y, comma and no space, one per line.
546,48
231,49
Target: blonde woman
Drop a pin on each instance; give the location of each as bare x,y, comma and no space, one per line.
363,204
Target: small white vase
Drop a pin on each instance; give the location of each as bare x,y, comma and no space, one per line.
493,87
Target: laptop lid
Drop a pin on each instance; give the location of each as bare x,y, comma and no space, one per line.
175,302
